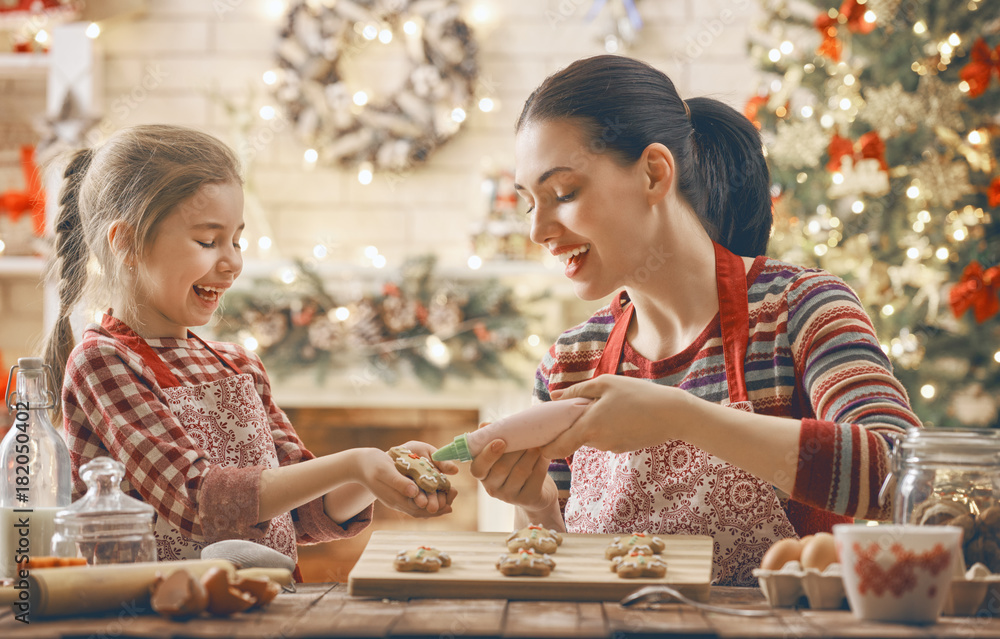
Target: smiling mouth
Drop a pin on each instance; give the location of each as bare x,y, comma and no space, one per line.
572,257
208,293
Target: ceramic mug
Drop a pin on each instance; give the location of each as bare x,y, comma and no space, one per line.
897,572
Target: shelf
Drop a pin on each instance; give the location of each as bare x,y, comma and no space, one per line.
17,66
257,269
21,266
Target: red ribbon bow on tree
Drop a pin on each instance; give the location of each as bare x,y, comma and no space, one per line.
855,14
983,61
869,147
16,203
993,193
852,14
830,46
977,289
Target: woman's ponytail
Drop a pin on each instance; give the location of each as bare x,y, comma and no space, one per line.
727,154
69,263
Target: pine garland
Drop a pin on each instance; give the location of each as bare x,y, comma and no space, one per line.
416,324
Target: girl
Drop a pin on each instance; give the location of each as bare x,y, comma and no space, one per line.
634,188
194,422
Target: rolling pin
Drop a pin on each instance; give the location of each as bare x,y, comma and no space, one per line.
81,590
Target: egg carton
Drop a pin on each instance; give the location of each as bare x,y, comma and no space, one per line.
785,588
969,592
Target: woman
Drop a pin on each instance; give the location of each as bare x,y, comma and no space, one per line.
636,189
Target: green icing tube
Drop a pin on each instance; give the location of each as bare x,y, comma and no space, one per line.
530,428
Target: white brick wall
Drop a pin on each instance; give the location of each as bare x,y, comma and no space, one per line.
195,50
163,65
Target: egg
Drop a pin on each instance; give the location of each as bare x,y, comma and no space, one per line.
819,552
781,553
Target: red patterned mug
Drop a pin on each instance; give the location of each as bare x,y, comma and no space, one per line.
898,572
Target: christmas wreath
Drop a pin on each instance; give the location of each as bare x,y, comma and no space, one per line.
344,125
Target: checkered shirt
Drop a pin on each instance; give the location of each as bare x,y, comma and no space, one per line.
113,406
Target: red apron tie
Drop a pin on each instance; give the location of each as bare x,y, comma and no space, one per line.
731,280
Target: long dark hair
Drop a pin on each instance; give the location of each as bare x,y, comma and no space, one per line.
624,105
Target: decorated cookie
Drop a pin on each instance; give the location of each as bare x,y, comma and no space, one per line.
642,542
525,562
637,564
535,538
423,559
419,469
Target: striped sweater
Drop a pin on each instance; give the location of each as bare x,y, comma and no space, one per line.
812,355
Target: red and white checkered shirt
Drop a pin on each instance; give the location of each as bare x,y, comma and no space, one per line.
113,406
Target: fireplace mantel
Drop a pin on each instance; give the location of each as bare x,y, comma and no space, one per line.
491,398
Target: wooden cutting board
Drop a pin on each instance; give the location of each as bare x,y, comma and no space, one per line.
581,573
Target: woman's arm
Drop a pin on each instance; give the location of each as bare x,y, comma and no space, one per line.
764,446
835,462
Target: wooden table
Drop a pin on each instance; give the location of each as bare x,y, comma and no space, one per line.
326,610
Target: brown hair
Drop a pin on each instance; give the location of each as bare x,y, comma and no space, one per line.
623,105
135,179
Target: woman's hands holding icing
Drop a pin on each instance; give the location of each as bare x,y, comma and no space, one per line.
627,414
519,478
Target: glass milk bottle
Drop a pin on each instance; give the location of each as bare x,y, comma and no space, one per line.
34,470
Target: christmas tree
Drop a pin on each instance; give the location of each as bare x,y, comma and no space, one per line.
880,119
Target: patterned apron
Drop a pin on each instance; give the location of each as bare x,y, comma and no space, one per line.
677,488
229,423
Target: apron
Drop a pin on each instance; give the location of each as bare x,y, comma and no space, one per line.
677,488
228,422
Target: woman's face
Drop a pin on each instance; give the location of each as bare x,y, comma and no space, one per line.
586,209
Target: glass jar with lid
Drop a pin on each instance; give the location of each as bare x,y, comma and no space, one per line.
950,476
105,526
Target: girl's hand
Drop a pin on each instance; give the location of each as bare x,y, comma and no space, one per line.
378,473
442,500
627,414
519,478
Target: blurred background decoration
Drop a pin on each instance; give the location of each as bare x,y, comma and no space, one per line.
416,323
881,122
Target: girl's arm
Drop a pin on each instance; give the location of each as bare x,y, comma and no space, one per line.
344,497
349,482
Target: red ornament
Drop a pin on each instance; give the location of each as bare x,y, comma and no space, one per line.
982,62
855,14
830,47
977,289
481,332
994,192
839,147
391,289
753,107
16,203
873,148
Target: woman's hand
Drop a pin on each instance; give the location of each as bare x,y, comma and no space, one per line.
627,414
377,472
519,478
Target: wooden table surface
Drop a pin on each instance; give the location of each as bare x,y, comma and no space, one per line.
326,610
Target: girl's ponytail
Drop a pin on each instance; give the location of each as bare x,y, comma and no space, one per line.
70,258
735,181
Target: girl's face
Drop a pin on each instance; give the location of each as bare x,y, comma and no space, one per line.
586,209
194,257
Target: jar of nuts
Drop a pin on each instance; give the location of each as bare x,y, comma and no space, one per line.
950,476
